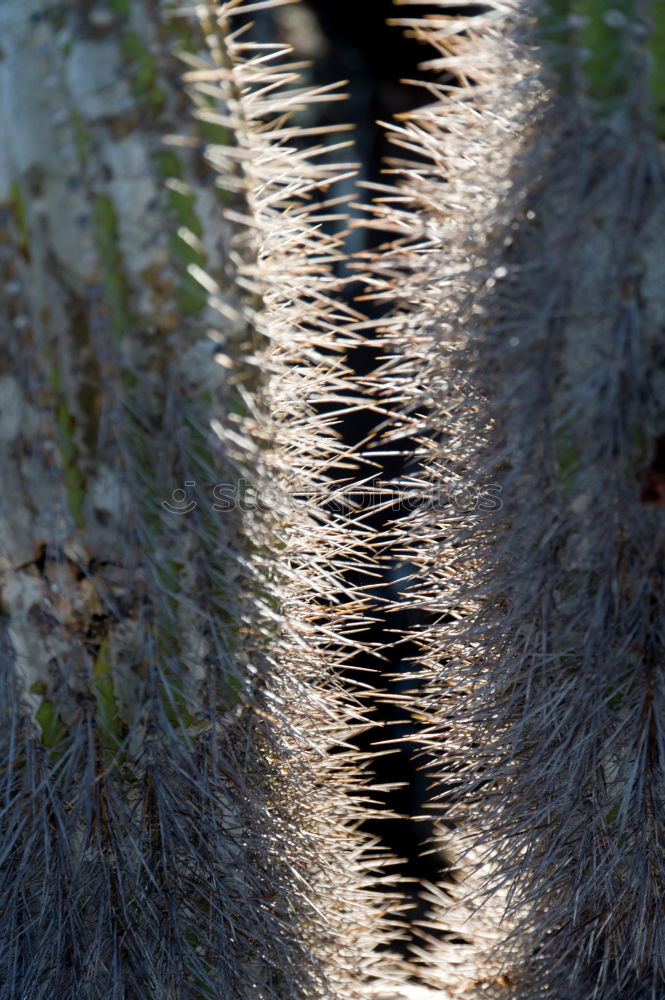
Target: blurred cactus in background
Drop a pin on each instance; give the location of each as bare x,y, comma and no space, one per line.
527,274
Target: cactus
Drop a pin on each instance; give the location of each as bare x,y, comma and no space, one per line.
174,616
527,276
179,812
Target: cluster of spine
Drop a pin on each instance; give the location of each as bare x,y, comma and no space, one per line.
175,823
178,808
527,277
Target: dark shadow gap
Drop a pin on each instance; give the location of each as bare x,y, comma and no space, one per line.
352,40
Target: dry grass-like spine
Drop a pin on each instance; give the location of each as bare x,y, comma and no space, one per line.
174,824
528,280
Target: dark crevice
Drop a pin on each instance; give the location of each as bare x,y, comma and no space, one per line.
376,57
352,40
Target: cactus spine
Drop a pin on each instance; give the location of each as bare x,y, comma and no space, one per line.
173,606
529,318
173,822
